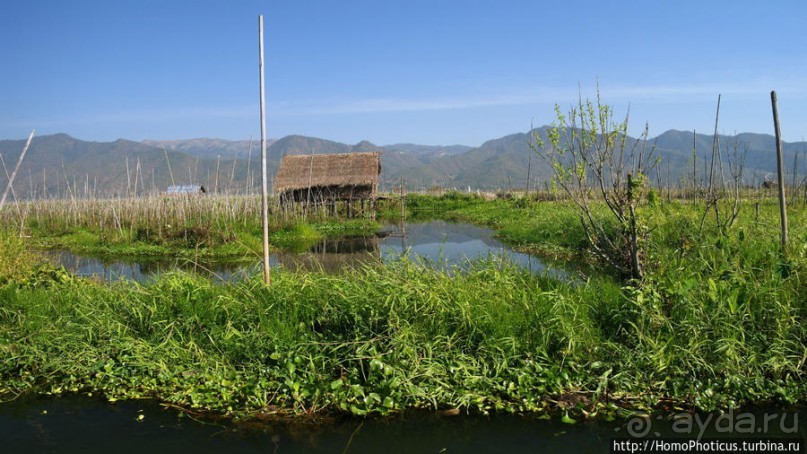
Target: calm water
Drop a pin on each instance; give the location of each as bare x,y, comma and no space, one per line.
144,269
440,244
84,424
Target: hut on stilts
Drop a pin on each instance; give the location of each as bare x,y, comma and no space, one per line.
325,180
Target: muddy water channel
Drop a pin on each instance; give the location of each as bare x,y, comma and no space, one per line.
439,244
84,424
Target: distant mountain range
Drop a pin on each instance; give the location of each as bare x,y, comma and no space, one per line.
60,165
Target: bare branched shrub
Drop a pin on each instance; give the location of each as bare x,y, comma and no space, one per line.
594,160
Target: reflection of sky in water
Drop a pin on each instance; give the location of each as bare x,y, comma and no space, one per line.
143,270
446,245
443,244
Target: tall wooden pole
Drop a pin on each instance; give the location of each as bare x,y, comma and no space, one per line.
780,171
264,179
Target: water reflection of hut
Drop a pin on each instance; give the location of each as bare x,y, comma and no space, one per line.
324,180
334,254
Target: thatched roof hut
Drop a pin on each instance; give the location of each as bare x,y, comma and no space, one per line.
328,177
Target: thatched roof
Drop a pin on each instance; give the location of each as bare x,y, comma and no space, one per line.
322,170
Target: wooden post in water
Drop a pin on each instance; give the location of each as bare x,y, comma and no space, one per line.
780,172
264,179
403,201
16,168
403,208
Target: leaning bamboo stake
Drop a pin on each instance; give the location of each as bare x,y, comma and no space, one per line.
137,172
168,161
232,176
715,151
13,194
128,178
248,188
264,179
16,168
218,161
780,172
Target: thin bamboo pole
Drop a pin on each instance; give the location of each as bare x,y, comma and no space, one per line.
694,167
529,161
232,176
715,151
128,178
168,161
8,178
218,161
264,179
137,172
16,168
248,184
780,172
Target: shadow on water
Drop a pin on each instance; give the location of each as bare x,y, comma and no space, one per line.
440,244
81,424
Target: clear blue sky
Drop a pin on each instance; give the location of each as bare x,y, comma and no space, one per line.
429,72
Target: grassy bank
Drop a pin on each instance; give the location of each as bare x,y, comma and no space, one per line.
718,322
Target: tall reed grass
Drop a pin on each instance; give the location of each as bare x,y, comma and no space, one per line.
185,225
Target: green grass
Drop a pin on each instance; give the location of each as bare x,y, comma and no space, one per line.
719,321
16,261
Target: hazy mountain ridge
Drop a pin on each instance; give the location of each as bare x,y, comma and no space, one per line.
210,148
109,168
504,162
